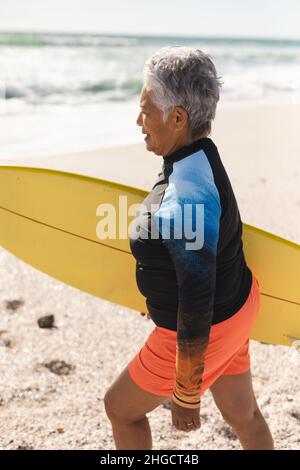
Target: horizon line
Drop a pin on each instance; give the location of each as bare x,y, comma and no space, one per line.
151,35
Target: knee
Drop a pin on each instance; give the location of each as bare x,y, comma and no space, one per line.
115,409
240,417
110,406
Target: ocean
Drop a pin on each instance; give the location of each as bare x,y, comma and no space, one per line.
73,92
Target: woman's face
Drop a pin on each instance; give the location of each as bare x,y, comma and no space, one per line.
161,138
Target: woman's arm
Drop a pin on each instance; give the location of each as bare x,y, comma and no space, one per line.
196,277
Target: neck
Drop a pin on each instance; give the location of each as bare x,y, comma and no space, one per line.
178,145
186,149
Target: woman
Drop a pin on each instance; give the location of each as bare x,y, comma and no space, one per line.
199,291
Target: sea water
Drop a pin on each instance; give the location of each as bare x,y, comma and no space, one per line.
73,92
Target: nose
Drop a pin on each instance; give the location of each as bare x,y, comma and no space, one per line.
139,120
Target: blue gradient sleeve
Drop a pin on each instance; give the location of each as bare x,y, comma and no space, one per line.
188,221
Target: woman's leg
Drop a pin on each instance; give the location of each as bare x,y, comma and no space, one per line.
234,396
126,406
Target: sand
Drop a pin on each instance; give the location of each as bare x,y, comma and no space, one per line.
59,405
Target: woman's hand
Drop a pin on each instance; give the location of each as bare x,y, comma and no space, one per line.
185,419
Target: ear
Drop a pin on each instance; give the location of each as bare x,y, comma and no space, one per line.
181,117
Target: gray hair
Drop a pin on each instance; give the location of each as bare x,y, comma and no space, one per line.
186,77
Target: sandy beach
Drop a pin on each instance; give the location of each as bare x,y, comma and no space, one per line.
59,405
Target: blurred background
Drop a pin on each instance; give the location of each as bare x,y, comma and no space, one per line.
71,71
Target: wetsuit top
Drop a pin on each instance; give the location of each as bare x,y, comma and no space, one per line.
190,264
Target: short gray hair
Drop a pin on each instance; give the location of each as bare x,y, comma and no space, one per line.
186,77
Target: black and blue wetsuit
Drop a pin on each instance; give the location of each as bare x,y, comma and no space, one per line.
192,278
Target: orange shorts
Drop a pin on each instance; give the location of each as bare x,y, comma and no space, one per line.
153,368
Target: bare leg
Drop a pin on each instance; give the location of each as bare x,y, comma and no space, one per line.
234,396
126,406
255,434
132,436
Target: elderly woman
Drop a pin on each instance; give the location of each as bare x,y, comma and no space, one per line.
199,291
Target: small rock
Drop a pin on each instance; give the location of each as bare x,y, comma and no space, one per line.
59,367
226,432
295,414
267,401
46,321
60,430
24,446
261,377
13,305
4,340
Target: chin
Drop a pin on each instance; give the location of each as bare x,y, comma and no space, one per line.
148,146
150,149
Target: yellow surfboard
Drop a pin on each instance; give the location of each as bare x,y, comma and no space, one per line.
49,219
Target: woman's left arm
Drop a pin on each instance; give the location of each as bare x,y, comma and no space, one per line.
196,276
